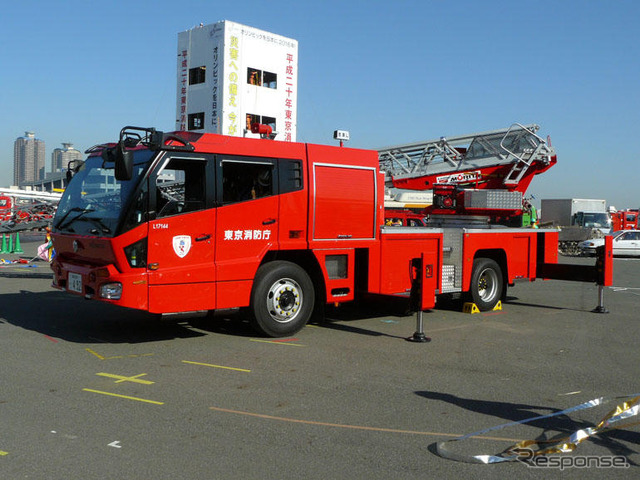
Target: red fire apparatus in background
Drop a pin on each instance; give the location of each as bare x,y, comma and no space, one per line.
186,222
5,208
26,209
406,209
625,220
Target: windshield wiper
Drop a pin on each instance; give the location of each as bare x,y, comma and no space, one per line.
74,209
103,226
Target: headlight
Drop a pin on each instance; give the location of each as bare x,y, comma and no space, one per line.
111,291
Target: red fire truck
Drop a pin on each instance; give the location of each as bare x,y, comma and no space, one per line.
625,220
26,209
5,208
186,222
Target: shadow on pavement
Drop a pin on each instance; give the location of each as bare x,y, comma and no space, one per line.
339,318
552,428
75,319
17,272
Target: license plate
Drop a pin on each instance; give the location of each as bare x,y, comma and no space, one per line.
75,282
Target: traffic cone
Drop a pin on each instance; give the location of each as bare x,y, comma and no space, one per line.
4,248
16,247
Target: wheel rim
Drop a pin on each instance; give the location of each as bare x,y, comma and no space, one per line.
284,300
488,285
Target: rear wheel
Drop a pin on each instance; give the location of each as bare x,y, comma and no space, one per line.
486,283
282,299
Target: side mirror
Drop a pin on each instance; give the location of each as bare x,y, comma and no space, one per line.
123,163
122,159
72,168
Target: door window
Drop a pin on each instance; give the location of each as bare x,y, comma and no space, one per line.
181,187
246,180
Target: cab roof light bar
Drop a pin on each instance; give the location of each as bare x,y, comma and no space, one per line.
131,137
153,139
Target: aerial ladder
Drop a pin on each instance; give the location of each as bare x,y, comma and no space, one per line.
483,174
504,159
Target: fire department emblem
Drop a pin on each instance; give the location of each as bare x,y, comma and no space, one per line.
181,245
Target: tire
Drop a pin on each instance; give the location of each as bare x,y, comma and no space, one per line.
487,284
282,299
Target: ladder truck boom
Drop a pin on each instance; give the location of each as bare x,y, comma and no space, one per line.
505,159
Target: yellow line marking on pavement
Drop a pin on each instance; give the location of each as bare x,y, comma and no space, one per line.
135,355
358,427
122,378
217,366
277,343
2,454
95,353
123,396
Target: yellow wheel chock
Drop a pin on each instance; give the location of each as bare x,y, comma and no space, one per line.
470,307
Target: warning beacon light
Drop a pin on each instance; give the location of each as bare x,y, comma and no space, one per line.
265,131
342,135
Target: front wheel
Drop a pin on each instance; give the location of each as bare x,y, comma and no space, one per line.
486,284
282,299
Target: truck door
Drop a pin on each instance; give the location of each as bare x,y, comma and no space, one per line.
180,258
247,223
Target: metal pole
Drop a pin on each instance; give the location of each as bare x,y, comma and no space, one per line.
416,301
418,335
600,308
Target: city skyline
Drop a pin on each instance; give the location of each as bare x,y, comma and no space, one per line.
29,162
28,158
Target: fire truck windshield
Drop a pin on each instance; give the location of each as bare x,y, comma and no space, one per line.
95,202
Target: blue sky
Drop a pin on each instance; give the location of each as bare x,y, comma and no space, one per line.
389,72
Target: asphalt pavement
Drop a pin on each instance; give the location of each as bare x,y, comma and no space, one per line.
94,391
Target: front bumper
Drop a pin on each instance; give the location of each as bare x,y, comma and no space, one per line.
100,283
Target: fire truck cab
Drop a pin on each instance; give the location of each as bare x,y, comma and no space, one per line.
209,222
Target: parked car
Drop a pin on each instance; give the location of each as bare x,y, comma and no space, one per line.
625,243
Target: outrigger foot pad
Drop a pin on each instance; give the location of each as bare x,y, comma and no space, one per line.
419,337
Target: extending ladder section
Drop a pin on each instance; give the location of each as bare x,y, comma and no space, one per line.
497,159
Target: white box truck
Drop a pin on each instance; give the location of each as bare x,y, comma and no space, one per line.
579,219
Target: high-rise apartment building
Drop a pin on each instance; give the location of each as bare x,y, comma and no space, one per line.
231,76
28,159
60,157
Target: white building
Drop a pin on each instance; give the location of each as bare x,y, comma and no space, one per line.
28,159
60,157
231,75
